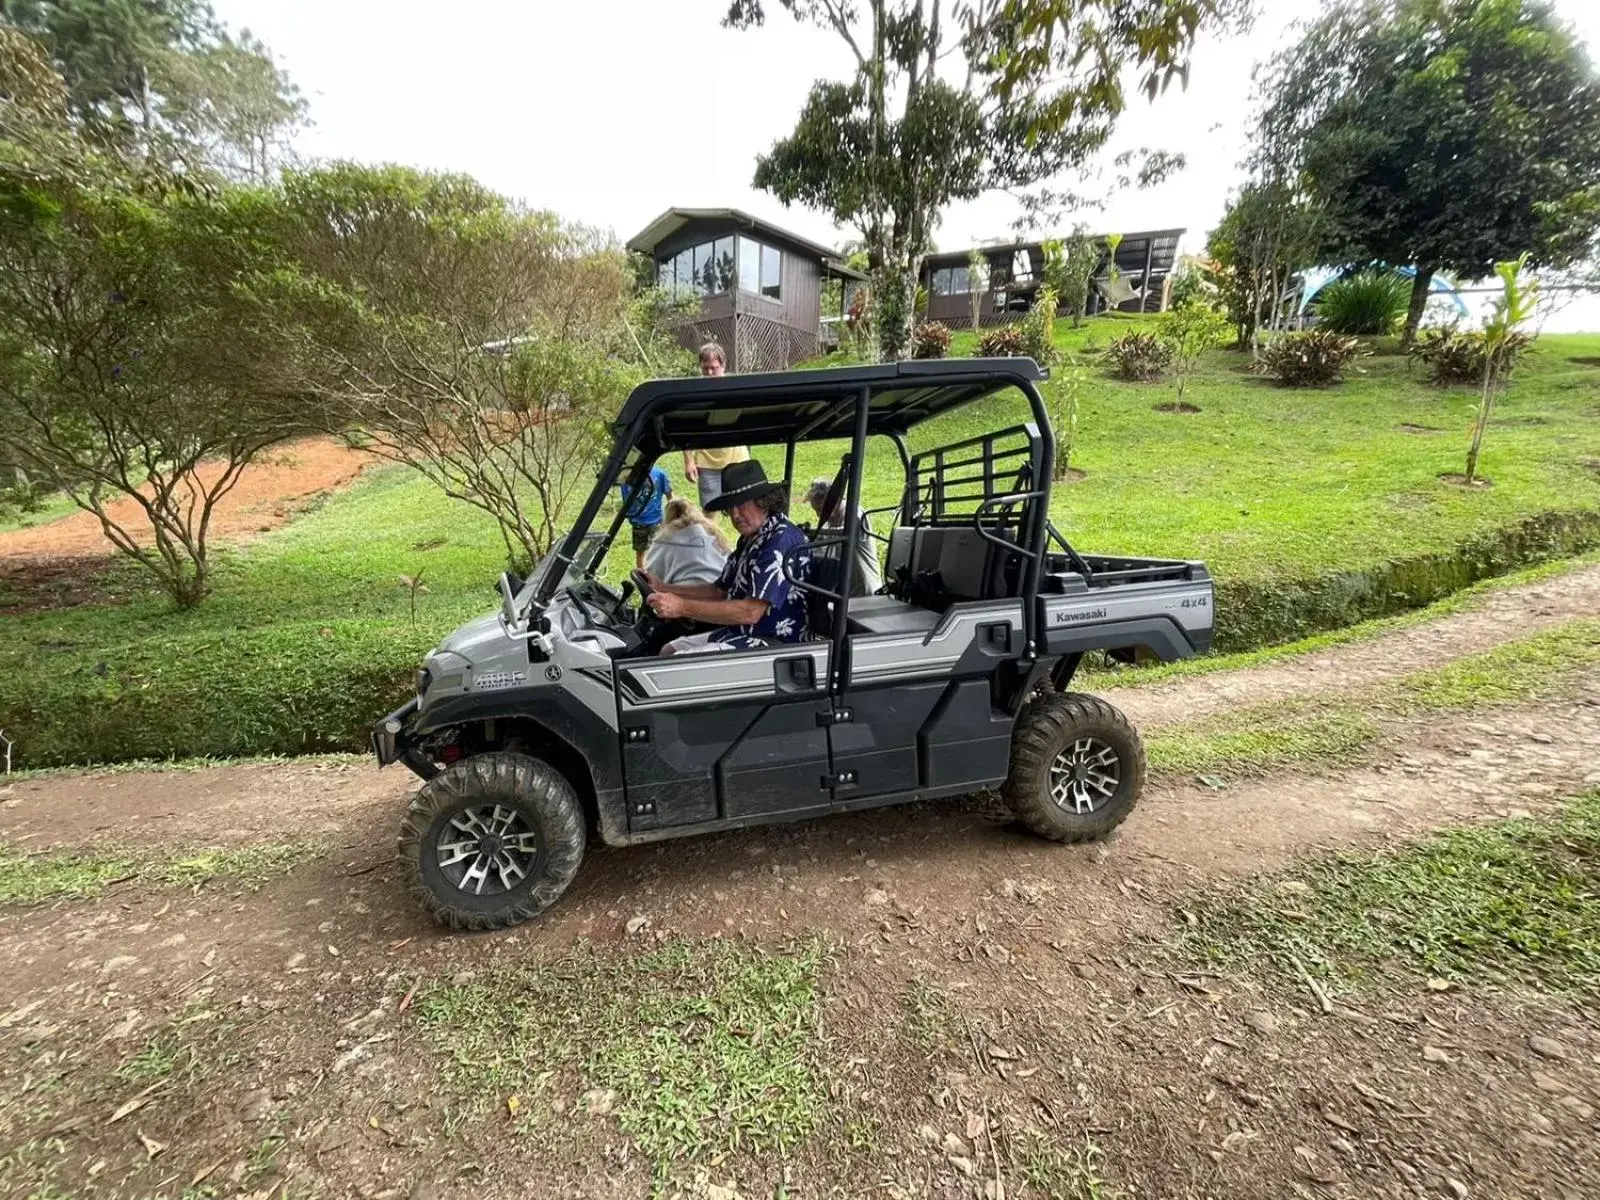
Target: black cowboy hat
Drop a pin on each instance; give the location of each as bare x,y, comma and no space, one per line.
742,481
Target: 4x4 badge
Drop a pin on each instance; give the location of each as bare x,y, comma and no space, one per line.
552,672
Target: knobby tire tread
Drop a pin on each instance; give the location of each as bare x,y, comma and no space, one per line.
1050,722
531,784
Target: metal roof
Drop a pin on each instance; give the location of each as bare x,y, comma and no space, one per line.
960,256
779,406
674,219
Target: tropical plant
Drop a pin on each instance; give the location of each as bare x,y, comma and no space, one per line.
889,148
1442,134
1003,341
1308,358
1189,283
1188,332
977,282
1456,356
858,322
1113,241
931,339
1138,356
1069,265
1038,327
1368,303
1513,308
1062,396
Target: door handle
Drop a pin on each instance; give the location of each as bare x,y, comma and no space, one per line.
795,673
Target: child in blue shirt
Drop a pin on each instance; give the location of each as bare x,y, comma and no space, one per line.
645,513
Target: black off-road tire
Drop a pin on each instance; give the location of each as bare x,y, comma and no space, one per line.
546,807
1048,735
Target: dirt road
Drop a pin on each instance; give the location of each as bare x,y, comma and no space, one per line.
306,1078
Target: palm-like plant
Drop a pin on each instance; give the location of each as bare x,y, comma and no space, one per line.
1502,331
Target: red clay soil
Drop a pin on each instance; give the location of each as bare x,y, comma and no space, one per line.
268,494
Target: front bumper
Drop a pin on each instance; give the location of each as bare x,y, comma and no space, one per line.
391,741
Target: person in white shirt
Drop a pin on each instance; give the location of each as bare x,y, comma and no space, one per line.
688,548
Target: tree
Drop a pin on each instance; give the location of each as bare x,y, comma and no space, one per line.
1266,237
977,282
240,106
1069,265
136,362
1503,339
1034,92
161,80
480,343
1443,134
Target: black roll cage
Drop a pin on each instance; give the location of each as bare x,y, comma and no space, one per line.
848,399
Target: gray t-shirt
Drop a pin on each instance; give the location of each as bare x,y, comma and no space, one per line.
687,555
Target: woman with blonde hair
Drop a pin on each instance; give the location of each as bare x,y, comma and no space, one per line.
688,548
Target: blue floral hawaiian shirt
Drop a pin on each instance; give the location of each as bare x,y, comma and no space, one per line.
754,571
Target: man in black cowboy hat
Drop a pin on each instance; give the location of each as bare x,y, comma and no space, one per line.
753,602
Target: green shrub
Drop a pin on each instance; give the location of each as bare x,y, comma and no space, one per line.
1369,302
1453,356
931,339
1311,358
1038,328
293,688
1140,356
1004,341
1189,332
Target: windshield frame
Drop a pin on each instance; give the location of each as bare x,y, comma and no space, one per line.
591,545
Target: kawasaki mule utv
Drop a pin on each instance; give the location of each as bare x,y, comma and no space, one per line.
557,719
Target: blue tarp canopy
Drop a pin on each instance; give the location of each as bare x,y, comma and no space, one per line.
1318,278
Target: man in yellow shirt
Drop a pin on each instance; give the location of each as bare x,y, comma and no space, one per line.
704,467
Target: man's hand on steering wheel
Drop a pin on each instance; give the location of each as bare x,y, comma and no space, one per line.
665,605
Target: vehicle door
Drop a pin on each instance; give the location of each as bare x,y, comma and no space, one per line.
914,687
914,711
724,736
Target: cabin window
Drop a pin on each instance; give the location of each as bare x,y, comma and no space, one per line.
952,281
771,273
1022,266
760,269
703,270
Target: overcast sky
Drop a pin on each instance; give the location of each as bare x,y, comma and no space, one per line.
610,112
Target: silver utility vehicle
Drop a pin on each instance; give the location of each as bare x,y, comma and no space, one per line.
556,719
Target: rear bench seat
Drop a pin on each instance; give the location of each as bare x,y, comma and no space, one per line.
946,564
885,614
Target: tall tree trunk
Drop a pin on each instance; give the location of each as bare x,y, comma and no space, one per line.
896,293
1419,302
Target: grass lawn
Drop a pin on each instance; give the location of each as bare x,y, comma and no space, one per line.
1313,509
1509,904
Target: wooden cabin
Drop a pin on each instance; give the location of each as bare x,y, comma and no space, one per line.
760,287
1145,261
